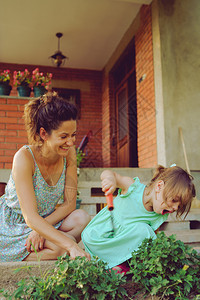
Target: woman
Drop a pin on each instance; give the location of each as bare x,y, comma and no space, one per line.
43,174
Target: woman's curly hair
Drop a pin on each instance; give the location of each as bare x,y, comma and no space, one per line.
47,111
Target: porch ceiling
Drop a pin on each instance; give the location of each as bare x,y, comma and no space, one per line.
91,30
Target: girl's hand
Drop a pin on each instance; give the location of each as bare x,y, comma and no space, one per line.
34,240
77,251
108,185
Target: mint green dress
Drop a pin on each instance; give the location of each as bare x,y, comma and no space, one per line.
132,224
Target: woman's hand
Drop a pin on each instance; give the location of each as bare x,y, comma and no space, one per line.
34,240
77,251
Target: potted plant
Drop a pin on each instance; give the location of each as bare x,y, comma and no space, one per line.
80,156
5,87
40,82
22,81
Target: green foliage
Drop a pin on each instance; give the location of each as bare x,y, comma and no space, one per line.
80,156
77,279
166,267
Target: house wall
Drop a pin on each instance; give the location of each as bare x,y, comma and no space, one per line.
141,29
98,101
12,131
179,24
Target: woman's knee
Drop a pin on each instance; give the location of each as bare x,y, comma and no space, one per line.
81,217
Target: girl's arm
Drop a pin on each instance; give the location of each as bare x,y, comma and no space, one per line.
112,180
70,192
22,174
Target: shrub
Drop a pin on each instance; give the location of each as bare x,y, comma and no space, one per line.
77,279
166,267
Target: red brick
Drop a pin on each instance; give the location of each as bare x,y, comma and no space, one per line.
7,146
14,114
15,126
6,107
15,140
9,120
8,133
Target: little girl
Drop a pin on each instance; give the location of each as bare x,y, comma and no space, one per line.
139,210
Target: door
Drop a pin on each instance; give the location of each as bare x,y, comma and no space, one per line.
122,126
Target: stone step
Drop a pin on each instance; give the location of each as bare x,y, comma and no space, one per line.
186,236
93,174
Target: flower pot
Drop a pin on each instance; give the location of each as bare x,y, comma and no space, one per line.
5,89
39,91
24,91
78,203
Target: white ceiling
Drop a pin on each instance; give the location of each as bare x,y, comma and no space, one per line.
91,30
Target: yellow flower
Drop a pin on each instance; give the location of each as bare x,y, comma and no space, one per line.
185,267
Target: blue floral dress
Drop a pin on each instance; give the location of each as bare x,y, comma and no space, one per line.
132,224
13,229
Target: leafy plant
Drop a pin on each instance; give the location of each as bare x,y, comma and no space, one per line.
166,267
80,156
77,279
39,79
21,78
5,77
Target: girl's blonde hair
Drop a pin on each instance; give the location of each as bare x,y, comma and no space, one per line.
47,111
178,184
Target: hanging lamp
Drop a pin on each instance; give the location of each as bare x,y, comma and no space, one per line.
58,59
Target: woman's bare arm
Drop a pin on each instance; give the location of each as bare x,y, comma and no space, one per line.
22,174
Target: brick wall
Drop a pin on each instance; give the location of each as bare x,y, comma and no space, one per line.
147,150
12,131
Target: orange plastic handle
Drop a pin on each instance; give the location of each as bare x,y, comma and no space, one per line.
109,199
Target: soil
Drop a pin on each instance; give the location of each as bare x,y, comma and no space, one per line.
134,293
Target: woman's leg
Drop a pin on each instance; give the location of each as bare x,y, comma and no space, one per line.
75,223
50,251
72,227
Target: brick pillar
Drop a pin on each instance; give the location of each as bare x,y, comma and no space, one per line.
147,150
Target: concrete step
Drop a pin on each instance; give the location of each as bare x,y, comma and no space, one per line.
93,174
186,236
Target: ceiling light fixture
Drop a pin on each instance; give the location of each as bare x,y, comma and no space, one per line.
58,58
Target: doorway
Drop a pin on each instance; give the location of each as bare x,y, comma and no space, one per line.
126,109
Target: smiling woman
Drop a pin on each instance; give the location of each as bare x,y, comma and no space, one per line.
43,174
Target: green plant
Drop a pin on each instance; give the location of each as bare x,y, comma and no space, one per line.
166,267
80,156
5,77
38,79
21,78
78,279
